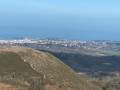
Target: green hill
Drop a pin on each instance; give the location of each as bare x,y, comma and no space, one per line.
34,70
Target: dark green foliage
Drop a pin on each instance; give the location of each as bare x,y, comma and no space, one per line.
87,63
104,88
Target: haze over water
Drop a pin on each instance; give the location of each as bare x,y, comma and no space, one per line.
78,19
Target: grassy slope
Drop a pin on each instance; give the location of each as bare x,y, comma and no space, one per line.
37,69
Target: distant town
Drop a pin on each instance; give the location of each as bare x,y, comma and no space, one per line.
106,45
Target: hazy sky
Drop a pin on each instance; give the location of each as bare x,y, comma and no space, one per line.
72,19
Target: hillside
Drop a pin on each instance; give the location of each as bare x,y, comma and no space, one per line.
30,69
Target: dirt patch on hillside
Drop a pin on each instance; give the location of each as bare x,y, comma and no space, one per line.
9,87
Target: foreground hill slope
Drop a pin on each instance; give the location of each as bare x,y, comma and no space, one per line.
29,69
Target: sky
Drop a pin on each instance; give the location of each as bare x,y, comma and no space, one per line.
70,19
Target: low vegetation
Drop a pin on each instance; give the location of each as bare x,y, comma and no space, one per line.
87,63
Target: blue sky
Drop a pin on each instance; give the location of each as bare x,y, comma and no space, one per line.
72,19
